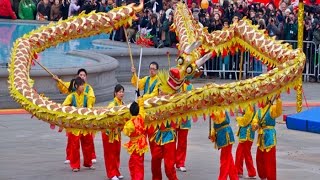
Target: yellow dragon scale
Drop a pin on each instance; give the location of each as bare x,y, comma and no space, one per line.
289,66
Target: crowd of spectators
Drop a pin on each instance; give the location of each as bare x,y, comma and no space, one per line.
280,20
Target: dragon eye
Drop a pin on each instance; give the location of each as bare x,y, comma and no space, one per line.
180,61
189,70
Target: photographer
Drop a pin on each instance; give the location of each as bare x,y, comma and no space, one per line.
290,28
272,27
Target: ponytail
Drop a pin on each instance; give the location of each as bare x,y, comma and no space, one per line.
75,83
71,86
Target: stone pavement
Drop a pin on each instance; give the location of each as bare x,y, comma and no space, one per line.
30,150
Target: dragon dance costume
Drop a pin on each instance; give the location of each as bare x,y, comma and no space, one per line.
63,88
163,146
148,84
111,140
246,137
161,139
182,136
224,139
82,100
266,151
137,146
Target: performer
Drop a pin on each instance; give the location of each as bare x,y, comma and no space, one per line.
223,137
149,84
182,136
65,88
111,140
264,121
162,141
79,99
246,137
137,146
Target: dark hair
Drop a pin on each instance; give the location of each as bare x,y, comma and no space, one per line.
75,83
155,63
118,88
80,70
134,108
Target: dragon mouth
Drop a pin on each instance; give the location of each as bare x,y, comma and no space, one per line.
173,83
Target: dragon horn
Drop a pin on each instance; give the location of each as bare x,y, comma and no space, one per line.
140,7
203,59
192,47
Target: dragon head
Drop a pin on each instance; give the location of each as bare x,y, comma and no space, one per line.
188,66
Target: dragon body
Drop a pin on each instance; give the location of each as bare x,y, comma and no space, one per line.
196,46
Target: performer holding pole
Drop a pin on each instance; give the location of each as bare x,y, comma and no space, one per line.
79,98
138,145
66,88
223,137
182,135
111,140
265,121
246,137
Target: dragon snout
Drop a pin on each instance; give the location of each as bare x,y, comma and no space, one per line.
175,73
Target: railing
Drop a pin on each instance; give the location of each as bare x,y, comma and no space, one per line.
228,66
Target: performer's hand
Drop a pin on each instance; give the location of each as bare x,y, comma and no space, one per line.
133,70
138,93
254,127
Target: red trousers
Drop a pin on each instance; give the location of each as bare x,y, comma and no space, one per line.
244,154
166,152
266,164
136,166
93,149
74,150
111,153
181,153
227,167
68,149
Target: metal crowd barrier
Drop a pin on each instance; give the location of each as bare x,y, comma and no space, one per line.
228,67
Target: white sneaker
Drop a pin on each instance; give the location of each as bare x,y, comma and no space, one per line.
248,177
92,168
67,161
115,178
75,170
94,161
182,169
120,177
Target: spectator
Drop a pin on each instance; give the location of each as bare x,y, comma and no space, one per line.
6,11
88,6
43,10
316,40
272,28
101,6
316,32
215,23
169,36
132,31
55,13
109,6
64,8
153,25
27,9
307,33
252,17
73,8
290,28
